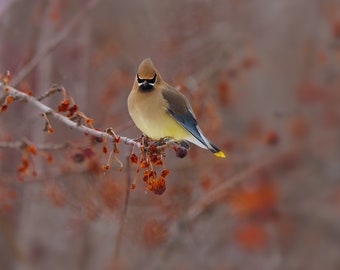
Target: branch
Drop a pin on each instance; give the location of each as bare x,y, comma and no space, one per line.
17,95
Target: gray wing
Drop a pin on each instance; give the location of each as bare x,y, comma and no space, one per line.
180,109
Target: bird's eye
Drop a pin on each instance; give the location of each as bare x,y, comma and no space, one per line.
139,80
153,80
147,81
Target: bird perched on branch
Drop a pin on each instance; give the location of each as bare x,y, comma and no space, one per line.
159,110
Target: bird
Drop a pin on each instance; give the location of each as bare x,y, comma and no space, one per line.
160,111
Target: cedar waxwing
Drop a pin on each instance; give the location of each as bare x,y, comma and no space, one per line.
160,110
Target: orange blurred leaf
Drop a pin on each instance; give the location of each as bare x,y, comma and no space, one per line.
251,235
258,198
298,128
154,233
310,92
56,194
224,92
110,194
271,137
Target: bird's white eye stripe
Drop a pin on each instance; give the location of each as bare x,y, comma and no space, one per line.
148,81
153,80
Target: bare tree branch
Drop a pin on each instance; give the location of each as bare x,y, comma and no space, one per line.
17,95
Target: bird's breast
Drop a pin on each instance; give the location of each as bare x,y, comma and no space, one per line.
149,113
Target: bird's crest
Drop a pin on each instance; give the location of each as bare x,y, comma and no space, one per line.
146,70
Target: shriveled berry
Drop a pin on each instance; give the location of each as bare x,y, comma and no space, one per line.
181,152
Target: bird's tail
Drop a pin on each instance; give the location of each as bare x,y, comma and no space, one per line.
217,152
209,145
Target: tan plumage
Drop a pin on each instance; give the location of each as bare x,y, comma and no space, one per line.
160,110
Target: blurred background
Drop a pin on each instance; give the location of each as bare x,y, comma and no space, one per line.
263,80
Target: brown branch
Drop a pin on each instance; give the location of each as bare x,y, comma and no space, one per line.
50,92
58,38
18,95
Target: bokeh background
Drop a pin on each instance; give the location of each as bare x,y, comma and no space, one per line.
263,79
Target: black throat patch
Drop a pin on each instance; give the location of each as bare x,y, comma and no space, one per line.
146,87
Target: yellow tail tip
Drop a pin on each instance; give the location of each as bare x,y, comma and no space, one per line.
219,154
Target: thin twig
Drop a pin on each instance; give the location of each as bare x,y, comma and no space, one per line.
58,38
50,92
